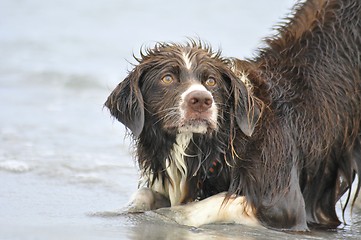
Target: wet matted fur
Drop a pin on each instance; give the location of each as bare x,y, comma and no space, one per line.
274,140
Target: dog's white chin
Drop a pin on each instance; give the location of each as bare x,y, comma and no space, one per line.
193,129
201,127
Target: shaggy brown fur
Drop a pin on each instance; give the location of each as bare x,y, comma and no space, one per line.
310,80
289,134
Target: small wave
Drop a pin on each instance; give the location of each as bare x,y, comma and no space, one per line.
14,166
70,80
87,178
107,214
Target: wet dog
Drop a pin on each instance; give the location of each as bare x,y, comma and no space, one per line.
272,141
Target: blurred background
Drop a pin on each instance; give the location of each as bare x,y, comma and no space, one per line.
65,165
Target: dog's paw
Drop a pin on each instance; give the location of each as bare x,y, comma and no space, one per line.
136,208
179,214
142,201
146,199
209,210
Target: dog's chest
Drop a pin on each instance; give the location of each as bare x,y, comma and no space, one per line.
189,176
177,169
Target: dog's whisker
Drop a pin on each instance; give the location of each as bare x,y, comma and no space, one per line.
169,109
169,115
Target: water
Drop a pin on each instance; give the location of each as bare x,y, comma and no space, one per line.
65,166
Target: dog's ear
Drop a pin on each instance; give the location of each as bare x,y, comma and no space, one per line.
126,103
247,110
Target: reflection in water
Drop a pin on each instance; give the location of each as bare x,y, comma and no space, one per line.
150,226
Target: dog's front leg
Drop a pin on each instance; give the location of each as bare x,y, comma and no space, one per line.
212,210
146,199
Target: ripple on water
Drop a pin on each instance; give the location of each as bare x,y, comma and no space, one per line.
14,166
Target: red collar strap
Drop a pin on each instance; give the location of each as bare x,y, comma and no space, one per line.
214,169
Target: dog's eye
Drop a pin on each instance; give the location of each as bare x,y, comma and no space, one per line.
167,79
211,82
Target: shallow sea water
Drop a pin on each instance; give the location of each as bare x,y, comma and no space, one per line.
66,168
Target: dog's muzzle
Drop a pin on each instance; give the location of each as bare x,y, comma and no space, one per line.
198,110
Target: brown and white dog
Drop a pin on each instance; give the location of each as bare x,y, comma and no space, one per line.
273,141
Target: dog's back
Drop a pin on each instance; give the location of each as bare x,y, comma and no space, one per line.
310,79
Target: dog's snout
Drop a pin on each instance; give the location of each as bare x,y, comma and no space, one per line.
199,101
198,110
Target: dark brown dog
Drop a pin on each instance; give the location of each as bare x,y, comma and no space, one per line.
272,141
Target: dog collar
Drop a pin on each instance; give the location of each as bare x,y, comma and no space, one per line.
214,169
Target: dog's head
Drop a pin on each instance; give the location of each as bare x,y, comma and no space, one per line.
182,88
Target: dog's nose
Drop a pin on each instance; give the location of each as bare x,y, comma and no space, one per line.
199,101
